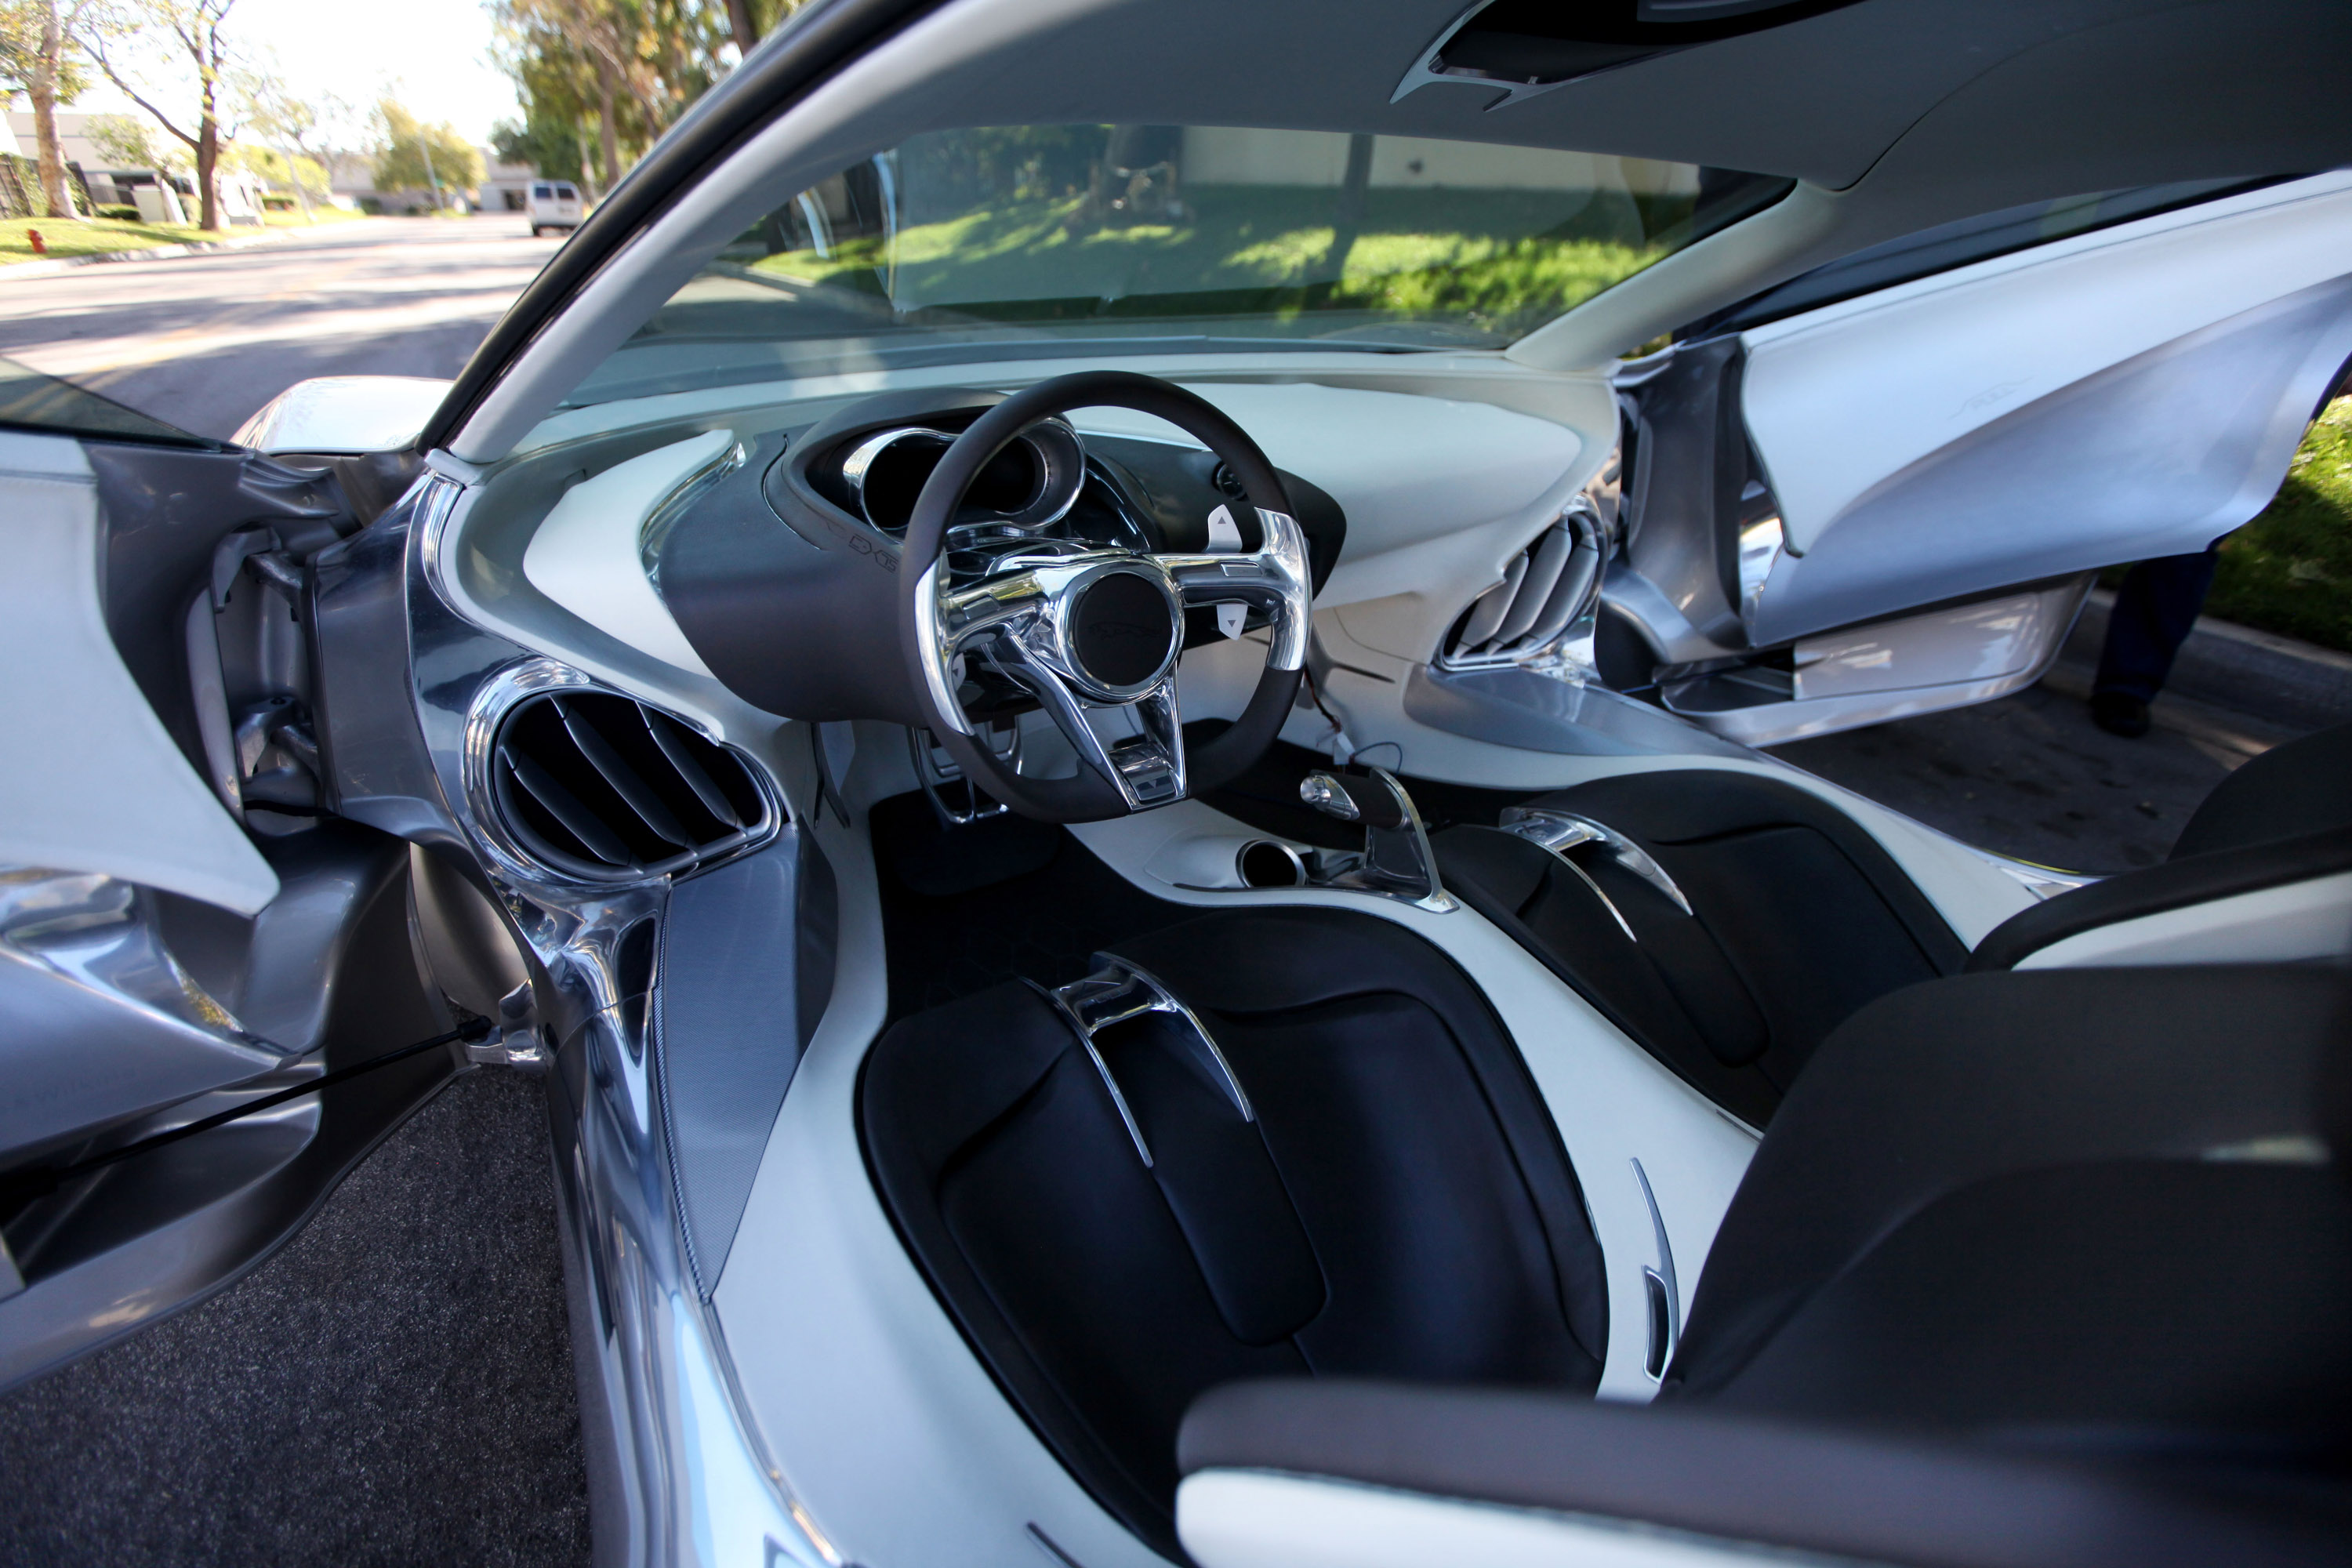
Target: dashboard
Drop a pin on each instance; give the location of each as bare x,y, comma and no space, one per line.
804,619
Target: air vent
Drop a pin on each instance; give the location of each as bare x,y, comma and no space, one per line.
594,785
1547,588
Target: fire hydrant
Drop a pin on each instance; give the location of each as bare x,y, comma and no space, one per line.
40,245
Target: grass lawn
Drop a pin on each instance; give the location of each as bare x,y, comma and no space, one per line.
87,237
1498,262
99,235
2290,570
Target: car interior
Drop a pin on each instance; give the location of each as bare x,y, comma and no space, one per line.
1162,879
1216,1132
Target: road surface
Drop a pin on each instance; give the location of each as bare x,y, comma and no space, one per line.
201,342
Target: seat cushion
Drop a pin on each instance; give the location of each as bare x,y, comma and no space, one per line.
2105,1205
1797,917
1399,1207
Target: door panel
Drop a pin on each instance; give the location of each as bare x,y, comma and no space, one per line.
2136,391
90,780
185,925
1894,503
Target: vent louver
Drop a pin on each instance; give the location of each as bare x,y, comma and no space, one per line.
598,786
1546,588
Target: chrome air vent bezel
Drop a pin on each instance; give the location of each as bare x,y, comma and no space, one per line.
526,855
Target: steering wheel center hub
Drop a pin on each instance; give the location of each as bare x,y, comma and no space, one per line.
1121,629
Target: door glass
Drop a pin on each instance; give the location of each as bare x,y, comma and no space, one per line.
32,401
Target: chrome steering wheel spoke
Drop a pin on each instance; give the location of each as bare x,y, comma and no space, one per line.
1095,637
1275,578
1147,765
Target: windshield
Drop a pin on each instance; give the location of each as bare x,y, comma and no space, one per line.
1029,241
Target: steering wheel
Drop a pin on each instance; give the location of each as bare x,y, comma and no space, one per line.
1099,633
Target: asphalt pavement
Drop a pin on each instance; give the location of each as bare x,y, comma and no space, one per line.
202,341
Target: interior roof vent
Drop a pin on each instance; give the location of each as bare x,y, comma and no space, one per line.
1532,45
1543,591
594,785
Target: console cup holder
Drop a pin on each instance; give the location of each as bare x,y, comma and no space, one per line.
1267,863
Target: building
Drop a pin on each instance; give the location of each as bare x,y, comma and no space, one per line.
351,179
159,197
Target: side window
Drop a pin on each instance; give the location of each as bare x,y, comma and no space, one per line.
566,194
542,193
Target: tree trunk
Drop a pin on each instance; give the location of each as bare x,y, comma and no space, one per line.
207,173
294,178
610,131
1348,211
740,22
55,193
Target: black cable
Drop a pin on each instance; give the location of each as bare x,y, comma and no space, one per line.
1315,697
28,1184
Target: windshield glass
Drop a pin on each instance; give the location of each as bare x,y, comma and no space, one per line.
1029,241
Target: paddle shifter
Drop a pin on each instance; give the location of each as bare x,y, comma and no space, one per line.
1396,861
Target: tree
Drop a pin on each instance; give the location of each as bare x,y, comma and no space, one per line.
307,177
116,32
292,121
38,57
630,66
749,21
549,147
130,144
413,156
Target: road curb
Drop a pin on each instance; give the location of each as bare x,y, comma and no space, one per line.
149,253
2238,668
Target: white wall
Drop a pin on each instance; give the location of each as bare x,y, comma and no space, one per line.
1217,156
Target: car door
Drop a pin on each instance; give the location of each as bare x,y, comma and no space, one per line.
1885,488
185,929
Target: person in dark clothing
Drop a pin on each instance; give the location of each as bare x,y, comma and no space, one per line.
2154,609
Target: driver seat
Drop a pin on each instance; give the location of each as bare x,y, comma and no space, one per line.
1321,1155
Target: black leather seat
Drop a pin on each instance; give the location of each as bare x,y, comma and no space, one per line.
1383,1193
2039,1267
1797,917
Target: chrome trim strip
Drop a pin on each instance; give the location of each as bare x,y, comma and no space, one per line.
1560,831
1061,470
1078,1026
1662,1357
935,651
1277,578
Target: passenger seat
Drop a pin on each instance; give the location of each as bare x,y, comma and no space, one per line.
2042,1270
1727,921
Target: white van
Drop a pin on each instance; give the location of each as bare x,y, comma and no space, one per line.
552,204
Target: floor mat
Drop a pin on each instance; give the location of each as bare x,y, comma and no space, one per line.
1044,922
393,1387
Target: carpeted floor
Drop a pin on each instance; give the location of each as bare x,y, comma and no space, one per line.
394,1386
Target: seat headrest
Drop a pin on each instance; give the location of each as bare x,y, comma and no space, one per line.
2302,787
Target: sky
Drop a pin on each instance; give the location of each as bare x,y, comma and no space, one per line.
433,55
